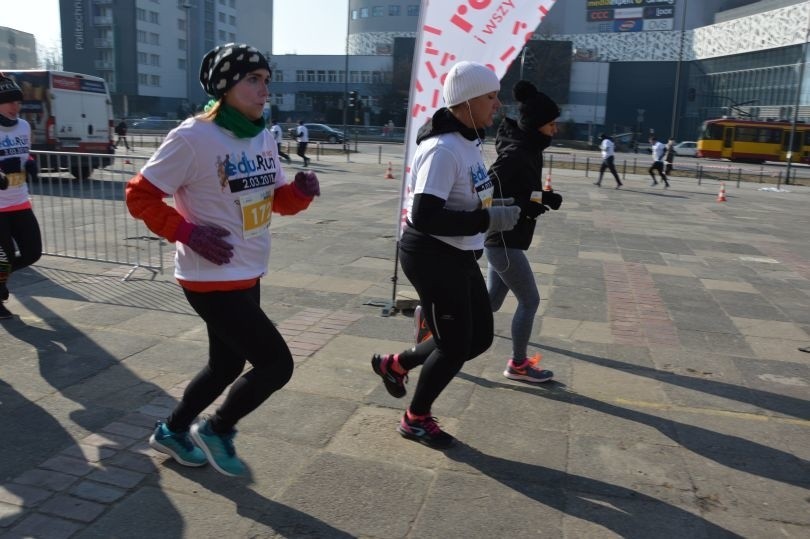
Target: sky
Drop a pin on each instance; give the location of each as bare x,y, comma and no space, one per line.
295,29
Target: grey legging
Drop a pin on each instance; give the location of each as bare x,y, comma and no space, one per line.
509,269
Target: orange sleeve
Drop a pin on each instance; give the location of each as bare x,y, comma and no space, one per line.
145,202
289,200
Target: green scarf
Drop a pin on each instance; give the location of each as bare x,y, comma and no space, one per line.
237,123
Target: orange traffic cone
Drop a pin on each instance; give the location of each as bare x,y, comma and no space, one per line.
547,186
721,196
389,174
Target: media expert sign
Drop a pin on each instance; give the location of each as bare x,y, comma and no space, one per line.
490,32
602,4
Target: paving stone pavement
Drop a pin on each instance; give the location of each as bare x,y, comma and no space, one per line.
680,407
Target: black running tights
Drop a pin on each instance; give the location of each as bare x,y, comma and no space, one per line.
238,332
455,302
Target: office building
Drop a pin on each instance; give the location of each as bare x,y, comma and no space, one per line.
18,50
149,51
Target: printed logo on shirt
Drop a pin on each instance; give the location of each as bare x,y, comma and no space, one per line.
481,184
14,145
240,173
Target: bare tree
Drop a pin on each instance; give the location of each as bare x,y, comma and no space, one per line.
50,56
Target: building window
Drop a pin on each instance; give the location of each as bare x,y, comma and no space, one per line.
143,78
365,76
413,10
141,36
181,44
393,11
154,39
331,76
181,64
154,80
153,17
221,17
278,99
354,76
310,75
376,77
377,11
364,13
278,75
140,14
231,37
143,58
321,76
222,35
300,75
154,60
354,14
181,25
231,20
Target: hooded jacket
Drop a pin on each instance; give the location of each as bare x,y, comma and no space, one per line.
516,173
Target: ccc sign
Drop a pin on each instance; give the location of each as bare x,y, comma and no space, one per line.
600,15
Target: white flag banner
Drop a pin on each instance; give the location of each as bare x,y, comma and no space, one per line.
490,32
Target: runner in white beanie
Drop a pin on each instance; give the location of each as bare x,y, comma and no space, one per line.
449,209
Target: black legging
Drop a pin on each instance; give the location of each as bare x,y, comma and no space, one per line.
608,164
238,331
455,302
20,227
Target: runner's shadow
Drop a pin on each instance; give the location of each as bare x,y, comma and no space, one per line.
104,391
731,451
628,513
283,520
789,406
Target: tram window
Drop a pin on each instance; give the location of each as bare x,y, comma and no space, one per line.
746,134
771,136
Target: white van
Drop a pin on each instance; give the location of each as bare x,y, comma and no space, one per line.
68,112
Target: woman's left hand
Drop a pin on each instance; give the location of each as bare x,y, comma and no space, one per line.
307,183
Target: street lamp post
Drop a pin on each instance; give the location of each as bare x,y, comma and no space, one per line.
802,62
678,73
346,83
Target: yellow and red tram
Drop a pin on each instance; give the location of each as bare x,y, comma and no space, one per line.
738,139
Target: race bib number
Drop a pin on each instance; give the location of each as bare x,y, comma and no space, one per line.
257,209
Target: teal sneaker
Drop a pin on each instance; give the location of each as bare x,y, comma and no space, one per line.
176,444
218,448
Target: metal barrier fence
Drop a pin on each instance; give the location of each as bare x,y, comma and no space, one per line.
710,170
82,214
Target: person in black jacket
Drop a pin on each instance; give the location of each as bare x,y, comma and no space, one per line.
449,209
517,173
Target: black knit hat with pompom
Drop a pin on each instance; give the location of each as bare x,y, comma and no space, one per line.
536,108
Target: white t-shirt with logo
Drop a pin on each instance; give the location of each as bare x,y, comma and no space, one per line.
219,179
452,168
15,143
302,133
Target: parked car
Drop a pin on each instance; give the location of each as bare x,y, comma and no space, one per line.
686,148
319,132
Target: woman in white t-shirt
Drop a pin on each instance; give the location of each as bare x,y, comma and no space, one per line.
18,224
449,208
223,170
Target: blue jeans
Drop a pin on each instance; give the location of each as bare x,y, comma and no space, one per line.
509,269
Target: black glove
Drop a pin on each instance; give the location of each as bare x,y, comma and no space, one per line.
552,200
31,170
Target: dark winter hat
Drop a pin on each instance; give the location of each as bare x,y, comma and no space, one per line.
9,90
602,136
536,108
225,65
